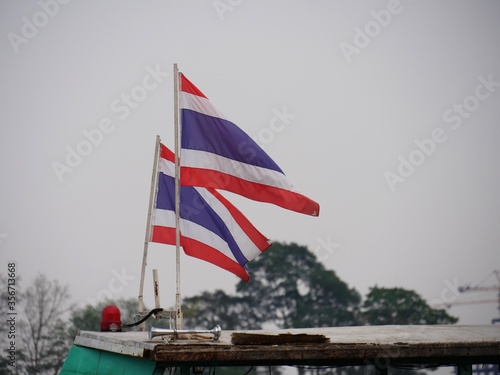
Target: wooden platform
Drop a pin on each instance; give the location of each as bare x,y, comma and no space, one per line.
393,345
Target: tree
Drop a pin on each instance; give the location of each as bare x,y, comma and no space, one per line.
290,288
44,331
207,310
384,306
400,306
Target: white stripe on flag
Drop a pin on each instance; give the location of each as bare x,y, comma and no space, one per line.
210,161
205,236
166,167
164,218
201,105
246,245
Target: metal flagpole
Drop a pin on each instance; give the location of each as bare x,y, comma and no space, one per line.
152,201
178,311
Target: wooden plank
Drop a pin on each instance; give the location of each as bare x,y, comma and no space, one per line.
245,338
126,343
446,344
327,354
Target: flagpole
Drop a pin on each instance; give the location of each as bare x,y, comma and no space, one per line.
178,311
147,239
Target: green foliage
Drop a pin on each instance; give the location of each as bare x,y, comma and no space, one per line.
87,318
209,309
400,306
290,288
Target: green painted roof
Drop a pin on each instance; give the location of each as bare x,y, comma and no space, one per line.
87,361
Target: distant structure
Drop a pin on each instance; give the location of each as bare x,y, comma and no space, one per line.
481,288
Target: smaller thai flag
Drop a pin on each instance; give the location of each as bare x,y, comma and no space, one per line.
217,153
211,228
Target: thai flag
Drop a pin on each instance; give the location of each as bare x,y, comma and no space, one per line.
217,153
211,228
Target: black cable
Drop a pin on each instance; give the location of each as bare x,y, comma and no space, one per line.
154,311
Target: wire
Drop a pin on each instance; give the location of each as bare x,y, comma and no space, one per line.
487,277
154,311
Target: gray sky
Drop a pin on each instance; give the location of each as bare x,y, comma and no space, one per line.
389,118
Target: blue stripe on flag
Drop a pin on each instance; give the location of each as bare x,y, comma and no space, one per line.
195,209
166,189
222,137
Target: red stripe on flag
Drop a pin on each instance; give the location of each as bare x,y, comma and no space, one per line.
209,254
165,153
188,87
164,235
259,192
258,238
199,250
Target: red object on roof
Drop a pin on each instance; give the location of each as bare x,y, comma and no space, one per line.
111,320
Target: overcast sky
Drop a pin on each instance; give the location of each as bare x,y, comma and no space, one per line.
385,112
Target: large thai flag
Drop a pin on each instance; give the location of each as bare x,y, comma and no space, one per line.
211,228
217,153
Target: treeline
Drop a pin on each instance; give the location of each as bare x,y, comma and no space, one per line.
289,288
